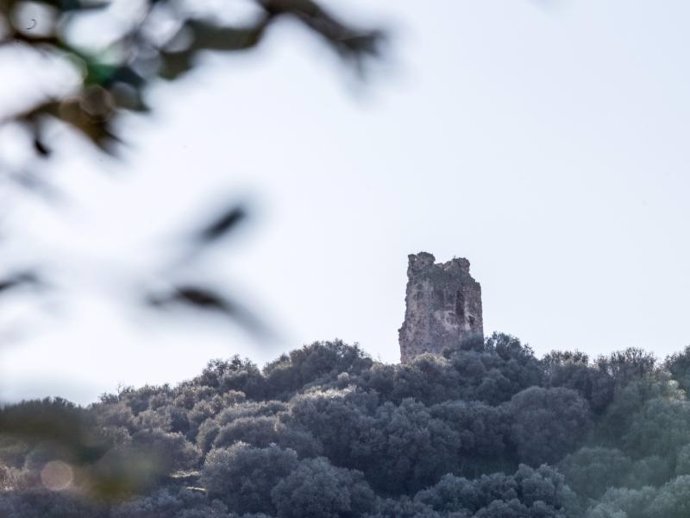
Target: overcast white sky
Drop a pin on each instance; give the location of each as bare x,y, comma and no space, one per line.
544,141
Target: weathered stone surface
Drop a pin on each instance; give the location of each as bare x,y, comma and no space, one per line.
443,306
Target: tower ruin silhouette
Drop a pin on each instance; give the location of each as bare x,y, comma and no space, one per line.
443,306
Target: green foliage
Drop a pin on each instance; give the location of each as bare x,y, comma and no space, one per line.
548,423
171,503
41,503
483,435
670,501
590,471
678,365
683,461
623,503
236,375
170,451
673,500
529,492
243,476
317,489
501,435
412,449
319,362
496,370
630,364
661,426
572,370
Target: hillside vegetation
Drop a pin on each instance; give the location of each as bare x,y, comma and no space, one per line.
486,430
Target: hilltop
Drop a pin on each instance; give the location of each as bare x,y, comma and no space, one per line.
485,429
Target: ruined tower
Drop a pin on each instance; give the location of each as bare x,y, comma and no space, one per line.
443,306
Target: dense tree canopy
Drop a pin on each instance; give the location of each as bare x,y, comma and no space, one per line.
486,430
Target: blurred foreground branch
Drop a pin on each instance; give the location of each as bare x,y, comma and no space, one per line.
114,51
155,40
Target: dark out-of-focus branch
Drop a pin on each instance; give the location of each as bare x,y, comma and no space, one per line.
110,87
111,82
115,80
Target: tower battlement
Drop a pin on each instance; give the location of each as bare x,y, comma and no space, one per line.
443,306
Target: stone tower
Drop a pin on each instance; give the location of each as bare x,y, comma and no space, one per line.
443,306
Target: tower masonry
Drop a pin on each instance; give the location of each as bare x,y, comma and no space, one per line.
443,306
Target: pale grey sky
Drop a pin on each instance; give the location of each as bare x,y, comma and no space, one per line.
544,141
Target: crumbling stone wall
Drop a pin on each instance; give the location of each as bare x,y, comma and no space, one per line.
443,306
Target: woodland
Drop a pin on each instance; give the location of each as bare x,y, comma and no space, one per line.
485,430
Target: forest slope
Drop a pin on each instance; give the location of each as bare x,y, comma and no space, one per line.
485,430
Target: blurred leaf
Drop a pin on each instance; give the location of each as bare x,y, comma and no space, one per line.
213,37
109,81
351,43
17,280
221,225
116,79
36,184
122,472
56,421
99,73
208,299
91,115
174,64
104,471
74,5
41,148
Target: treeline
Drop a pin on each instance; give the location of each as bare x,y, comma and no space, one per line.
485,430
